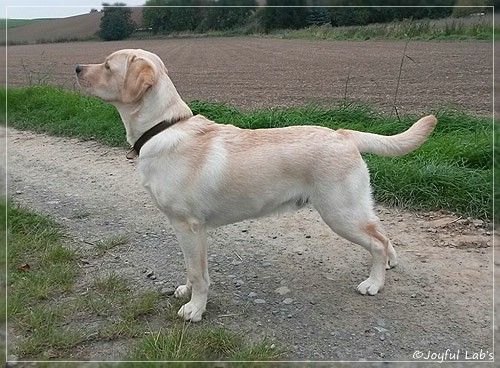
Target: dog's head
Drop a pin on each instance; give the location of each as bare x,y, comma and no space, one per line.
124,76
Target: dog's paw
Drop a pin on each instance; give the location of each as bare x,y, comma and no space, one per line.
191,312
392,257
392,261
370,286
182,291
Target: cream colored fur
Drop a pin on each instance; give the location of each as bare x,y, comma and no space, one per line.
201,174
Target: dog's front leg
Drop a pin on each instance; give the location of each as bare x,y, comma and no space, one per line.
193,241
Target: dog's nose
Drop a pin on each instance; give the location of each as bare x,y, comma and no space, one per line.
78,68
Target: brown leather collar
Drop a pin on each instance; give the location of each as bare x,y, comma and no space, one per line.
158,128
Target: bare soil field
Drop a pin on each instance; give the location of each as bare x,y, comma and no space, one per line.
254,72
289,276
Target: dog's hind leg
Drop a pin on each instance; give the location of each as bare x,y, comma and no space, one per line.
392,257
347,209
369,236
193,241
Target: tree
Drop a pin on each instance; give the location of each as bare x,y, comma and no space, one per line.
177,15
317,16
362,12
116,22
155,17
222,17
284,14
165,16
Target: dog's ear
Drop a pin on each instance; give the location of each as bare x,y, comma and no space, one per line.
140,76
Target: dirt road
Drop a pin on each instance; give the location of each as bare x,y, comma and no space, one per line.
288,276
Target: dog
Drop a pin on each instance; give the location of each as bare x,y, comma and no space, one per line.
201,174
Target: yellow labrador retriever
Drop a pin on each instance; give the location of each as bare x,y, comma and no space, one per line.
201,174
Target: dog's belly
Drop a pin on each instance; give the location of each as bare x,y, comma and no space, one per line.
228,212
218,206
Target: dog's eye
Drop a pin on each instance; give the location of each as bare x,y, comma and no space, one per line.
106,65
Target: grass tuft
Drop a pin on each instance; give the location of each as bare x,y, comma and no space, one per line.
141,305
202,344
110,284
111,243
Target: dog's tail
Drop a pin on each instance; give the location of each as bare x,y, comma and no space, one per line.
394,145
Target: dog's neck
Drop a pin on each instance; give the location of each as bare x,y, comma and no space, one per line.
153,108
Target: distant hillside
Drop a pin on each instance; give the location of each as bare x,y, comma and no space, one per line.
11,23
79,27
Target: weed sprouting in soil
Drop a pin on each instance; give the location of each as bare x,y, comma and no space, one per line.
111,243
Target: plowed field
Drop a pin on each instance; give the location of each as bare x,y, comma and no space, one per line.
254,72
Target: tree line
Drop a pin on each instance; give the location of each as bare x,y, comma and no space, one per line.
167,16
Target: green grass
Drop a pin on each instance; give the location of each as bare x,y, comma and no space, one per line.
40,269
181,344
57,112
53,312
451,171
450,29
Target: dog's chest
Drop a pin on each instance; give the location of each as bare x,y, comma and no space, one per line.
180,179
